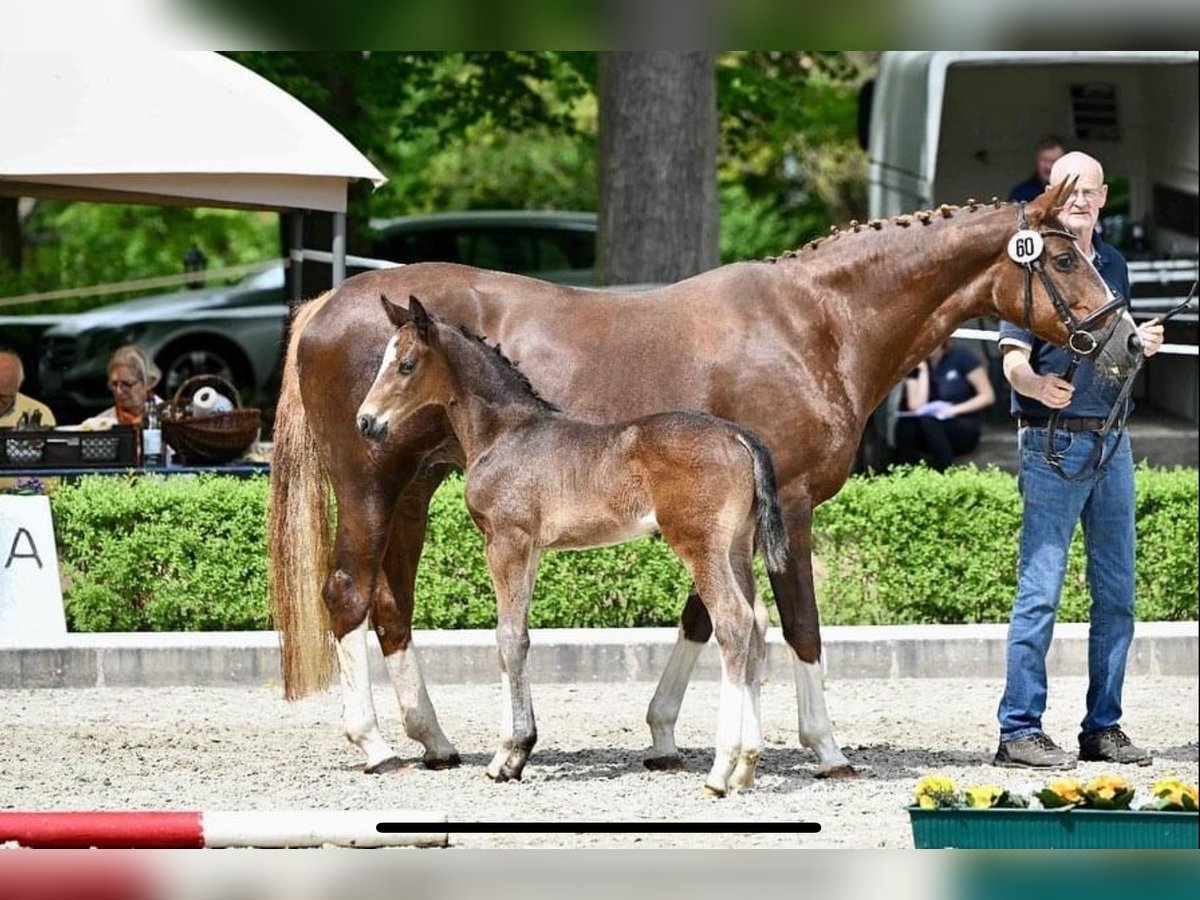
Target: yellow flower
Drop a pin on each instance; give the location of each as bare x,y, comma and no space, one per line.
1107,786
1068,789
1173,791
935,791
982,796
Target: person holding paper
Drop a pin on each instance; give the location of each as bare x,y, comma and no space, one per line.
940,410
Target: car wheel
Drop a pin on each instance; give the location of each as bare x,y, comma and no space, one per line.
179,365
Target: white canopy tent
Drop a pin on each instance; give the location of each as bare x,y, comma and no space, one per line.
170,128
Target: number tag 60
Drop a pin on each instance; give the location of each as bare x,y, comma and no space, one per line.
1025,246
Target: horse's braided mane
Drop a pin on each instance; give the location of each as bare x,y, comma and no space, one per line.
904,220
509,366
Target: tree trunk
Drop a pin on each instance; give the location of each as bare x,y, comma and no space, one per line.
10,233
658,166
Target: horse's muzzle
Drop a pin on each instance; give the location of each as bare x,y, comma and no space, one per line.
371,428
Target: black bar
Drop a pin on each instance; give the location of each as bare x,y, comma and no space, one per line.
607,827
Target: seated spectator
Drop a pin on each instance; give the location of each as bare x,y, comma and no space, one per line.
1045,154
942,400
14,404
132,376
17,408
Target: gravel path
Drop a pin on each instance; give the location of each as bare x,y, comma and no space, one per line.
192,748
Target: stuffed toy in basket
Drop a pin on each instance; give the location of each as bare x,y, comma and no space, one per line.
216,438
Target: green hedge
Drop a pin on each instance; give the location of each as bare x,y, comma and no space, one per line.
914,546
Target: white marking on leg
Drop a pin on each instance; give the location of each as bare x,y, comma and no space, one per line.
416,709
506,726
816,731
727,746
752,738
358,710
668,696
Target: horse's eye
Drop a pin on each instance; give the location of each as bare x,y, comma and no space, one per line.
406,366
1063,262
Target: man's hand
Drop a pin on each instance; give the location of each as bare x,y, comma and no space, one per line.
1052,391
1152,337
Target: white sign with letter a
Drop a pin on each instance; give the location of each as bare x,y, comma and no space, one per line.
31,607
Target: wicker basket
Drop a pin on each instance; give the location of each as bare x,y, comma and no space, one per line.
209,440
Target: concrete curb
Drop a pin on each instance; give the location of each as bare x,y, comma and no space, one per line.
226,659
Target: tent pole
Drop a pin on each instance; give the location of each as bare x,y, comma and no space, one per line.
296,253
339,248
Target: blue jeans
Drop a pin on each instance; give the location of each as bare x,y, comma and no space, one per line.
1104,504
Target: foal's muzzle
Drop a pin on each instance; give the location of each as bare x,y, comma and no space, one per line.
371,428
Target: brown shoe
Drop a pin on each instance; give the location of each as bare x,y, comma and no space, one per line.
1112,745
1035,751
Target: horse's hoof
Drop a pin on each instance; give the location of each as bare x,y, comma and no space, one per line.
389,765
510,773
453,761
664,763
714,793
840,772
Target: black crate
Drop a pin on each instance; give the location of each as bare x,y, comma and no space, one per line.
58,448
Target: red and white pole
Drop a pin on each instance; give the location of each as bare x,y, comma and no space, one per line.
178,830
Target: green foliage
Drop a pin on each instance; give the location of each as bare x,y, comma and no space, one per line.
919,546
178,554
1167,538
912,547
81,244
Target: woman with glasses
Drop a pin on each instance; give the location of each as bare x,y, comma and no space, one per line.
132,376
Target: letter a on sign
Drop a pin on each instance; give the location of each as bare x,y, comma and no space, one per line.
31,607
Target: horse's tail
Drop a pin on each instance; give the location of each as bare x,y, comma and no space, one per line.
298,529
770,537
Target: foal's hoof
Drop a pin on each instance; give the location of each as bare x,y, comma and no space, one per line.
505,774
715,793
840,772
388,766
453,761
664,763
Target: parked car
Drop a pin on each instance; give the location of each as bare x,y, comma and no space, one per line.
551,245
236,331
232,331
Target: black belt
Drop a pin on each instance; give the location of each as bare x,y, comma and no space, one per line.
1077,423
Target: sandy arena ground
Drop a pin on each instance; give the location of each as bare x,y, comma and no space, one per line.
235,749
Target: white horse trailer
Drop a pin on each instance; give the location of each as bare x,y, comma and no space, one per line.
946,126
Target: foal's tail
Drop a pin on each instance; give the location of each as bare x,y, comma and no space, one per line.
770,537
298,529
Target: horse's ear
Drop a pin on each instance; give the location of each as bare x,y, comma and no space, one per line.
420,318
1060,194
397,315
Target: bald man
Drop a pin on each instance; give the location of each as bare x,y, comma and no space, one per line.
12,402
1052,505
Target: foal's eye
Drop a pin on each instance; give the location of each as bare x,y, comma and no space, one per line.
406,366
1063,262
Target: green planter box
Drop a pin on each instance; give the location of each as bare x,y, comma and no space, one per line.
1040,829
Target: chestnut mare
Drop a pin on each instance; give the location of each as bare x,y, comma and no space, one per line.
538,479
799,349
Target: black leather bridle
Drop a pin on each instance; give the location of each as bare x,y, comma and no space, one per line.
1081,343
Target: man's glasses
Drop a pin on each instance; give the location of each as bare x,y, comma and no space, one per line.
1087,195
123,385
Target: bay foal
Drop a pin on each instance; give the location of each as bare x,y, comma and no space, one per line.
537,479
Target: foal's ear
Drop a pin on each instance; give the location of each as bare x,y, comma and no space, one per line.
397,315
420,318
